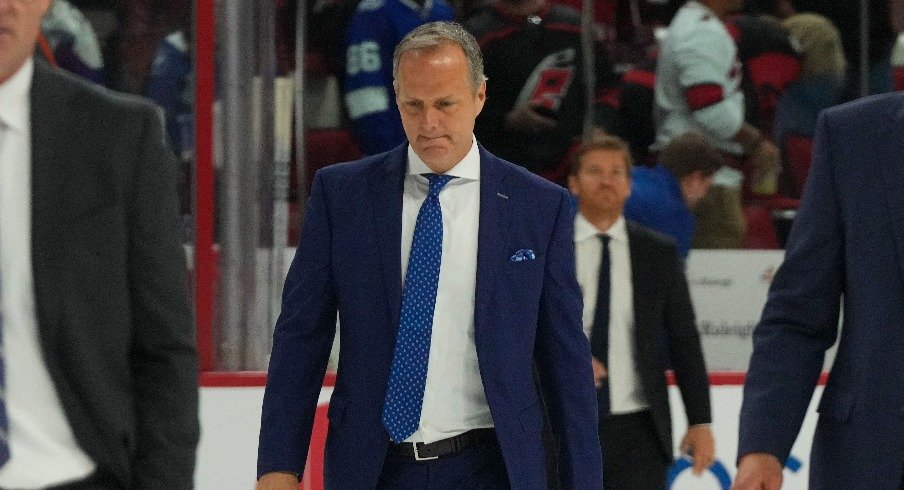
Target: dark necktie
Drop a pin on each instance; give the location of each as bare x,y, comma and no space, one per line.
599,336
408,375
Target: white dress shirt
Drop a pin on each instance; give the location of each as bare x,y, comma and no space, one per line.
42,446
625,390
454,401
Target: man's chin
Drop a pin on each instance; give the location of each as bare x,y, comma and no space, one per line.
434,155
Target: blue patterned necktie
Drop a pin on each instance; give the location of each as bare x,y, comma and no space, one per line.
408,375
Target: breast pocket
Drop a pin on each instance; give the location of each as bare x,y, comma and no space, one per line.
520,266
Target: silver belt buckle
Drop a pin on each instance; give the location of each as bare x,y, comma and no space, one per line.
417,456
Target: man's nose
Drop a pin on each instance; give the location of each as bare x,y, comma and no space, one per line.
430,119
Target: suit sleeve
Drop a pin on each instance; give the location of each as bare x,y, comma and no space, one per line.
685,351
302,340
563,361
800,319
163,359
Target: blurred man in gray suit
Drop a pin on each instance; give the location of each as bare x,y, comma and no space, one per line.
98,369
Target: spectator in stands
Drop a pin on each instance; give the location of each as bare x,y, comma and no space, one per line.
698,88
770,62
171,86
640,320
662,196
326,22
845,255
845,15
473,417
144,23
537,102
629,26
821,80
98,371
73,42
375,29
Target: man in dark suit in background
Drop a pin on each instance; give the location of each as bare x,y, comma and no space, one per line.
847,242
639,317
435,387
99,369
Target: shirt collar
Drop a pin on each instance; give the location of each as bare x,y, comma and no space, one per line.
468,168
584,229
14,98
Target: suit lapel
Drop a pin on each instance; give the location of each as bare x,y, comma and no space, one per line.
50,145
893,172
640,277
494,220
643,278
386,203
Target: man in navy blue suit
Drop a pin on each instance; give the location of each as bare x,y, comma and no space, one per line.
452,272
847,244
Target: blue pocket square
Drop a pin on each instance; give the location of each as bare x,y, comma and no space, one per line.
523,254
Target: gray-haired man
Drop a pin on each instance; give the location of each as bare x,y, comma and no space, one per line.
435,387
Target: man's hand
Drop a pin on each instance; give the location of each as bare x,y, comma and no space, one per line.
699,443
525,119
277,481
599,372
758,471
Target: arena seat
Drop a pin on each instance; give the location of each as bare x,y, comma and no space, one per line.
898,77
799,154
761,232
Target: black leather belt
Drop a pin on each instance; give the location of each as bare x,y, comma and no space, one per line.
444,447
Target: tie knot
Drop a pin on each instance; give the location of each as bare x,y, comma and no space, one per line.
605,239
437,182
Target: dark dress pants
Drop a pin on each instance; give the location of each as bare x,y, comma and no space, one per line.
632,456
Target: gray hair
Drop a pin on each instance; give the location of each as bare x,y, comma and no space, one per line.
433,34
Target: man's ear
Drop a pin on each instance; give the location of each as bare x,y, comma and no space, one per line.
481,96
573,185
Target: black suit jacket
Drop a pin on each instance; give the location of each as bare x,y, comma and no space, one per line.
665,332
110,282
